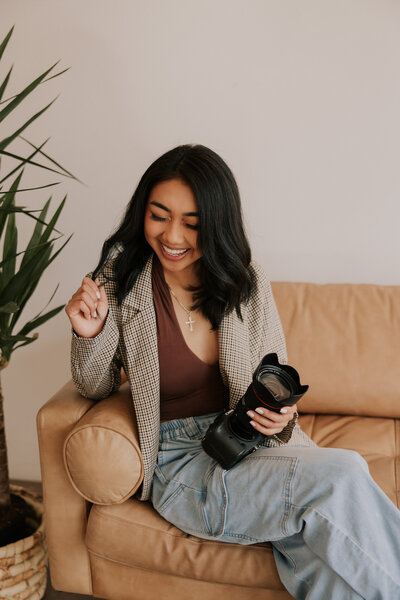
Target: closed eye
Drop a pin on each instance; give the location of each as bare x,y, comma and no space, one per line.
157,218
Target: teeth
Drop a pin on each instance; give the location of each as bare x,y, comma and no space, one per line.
174,252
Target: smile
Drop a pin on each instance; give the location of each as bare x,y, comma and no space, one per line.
174,253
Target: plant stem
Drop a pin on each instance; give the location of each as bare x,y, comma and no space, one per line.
5,498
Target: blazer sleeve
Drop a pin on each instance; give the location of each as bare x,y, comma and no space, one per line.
273,339
96,362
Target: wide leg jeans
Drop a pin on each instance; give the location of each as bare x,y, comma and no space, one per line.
335,534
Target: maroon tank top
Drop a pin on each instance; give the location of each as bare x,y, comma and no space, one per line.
188,386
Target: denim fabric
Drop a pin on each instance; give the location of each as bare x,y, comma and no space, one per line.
335,534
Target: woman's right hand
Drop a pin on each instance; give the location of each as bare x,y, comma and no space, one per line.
87,309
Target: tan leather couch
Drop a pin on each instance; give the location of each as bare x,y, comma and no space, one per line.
345,342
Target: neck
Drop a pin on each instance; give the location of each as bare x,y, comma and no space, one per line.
182,279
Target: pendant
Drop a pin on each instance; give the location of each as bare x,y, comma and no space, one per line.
190,322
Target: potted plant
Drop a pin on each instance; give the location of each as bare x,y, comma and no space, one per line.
23,556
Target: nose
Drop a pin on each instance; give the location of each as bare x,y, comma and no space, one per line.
174,234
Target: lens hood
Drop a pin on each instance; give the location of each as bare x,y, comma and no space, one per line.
287,374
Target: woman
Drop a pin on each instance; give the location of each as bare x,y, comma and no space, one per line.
176,304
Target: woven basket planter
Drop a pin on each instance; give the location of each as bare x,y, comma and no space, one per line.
23,564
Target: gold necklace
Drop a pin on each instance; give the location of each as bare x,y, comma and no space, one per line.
190,321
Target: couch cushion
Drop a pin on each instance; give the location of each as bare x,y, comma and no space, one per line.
344,339
134,534
376,439
102,453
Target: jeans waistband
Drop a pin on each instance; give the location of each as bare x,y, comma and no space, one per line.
190,426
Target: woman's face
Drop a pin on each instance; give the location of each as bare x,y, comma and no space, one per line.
170,225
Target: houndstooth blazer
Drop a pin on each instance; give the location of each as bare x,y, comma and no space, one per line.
129,340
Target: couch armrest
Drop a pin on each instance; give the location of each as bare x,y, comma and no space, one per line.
65,511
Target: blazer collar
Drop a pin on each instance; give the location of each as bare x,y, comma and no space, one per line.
141,294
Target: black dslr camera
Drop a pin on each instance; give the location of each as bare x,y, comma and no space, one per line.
231,437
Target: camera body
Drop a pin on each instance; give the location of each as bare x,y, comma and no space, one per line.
231,437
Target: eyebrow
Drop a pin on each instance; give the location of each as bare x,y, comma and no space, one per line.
188,214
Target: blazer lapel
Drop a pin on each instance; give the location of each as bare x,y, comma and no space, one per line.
235,355
140,340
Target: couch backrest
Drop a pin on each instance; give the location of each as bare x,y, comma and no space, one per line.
344,339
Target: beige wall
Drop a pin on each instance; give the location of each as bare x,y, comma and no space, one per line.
301,97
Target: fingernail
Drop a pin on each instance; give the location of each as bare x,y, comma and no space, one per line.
98,295
250,414
283,411
260,411
253,423
95,314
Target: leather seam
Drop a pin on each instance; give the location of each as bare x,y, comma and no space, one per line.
78,430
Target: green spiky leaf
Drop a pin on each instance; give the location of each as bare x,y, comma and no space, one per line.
12,105
4,143
4,43
5,83
10,307
22,161
8,202
28,327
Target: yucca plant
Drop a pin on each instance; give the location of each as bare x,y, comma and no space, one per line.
21,268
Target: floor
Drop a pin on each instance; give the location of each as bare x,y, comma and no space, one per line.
50,593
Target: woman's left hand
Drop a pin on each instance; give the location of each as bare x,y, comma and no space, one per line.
269,422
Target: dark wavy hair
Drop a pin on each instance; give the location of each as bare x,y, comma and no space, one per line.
223,268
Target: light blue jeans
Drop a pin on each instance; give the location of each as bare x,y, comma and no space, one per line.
335,534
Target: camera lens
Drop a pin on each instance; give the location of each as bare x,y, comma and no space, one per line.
277,381
275,386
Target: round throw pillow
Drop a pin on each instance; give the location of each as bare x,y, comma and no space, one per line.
102,452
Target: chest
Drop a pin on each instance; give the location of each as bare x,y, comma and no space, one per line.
197,334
